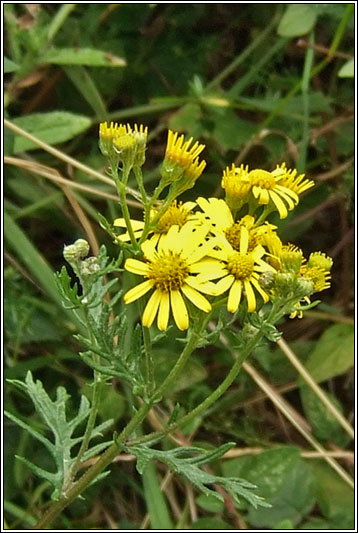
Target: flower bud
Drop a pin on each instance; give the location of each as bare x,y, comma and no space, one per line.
76,251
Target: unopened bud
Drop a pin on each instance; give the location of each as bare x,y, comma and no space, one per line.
77,250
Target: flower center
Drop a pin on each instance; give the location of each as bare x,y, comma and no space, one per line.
240,265
233,235
168,272
174,215
262,178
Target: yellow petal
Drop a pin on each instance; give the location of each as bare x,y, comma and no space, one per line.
148,249
288,191
196,298
201,285
257,286
234,296
224,284
121,223
137,267
126,237
163,314
250,296
179,309
281,208
151,309
244,240
137,292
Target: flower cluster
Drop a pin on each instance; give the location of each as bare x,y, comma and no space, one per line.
219,251
122,143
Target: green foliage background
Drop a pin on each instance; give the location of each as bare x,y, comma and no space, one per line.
258,84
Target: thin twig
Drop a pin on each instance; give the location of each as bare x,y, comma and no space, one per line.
54,175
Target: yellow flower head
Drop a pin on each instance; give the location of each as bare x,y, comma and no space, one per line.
181,163
291,181
320,260
239,271
217,213
318,276
179,152
107,134
123,143
237,186
171,270
177,214
268,190
290,258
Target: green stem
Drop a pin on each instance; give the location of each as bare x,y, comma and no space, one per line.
332,49
301,163
149,363
122,192
108,456
340,29
203,406
89,428
139,177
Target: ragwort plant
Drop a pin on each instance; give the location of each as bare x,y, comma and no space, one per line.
210,261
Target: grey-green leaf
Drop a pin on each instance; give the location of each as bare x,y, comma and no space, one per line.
53,127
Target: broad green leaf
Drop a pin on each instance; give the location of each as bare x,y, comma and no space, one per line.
188,119
347,70
82,56
9,66
334,497
53,127
333,354
282,478
298,19
324,425
210,523
230,130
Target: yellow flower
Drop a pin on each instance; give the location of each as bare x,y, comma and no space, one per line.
177,214
107,134
296,184
237,186
181,164
179,152
218,214
321,260
239,269
171,270
318,276
267,189
123,143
